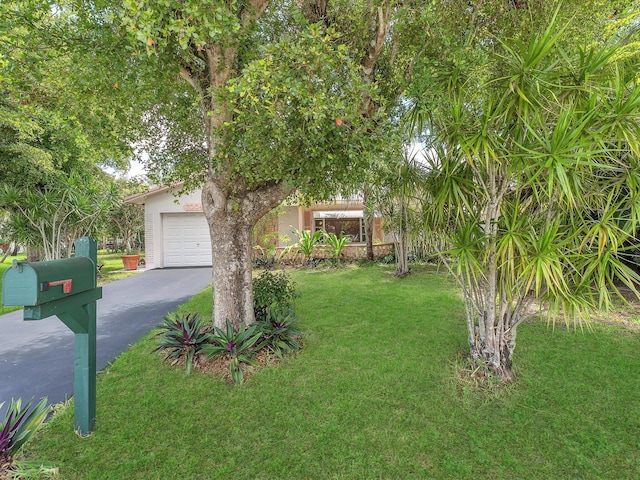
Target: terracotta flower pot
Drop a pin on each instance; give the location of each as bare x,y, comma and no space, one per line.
130,262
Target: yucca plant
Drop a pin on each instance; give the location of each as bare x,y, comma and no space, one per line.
336,244
278,331
239,347
182,336
305,245
534,185
19,426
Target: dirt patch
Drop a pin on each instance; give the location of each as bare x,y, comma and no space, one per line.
218,366
5,473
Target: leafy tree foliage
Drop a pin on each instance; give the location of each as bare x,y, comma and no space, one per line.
250,99
535,184
125,220
54,132
53,217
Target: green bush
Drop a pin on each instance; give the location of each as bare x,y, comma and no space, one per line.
272,289
278,331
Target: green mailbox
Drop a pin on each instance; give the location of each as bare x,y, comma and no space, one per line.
42,282
65,288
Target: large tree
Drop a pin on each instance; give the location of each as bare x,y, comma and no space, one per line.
54,134
250,99
535,183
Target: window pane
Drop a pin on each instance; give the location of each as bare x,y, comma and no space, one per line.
346,226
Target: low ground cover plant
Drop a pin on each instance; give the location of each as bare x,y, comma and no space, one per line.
238,346
183,337
278,331
18,427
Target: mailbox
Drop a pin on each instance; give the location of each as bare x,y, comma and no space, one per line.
67,289
36,283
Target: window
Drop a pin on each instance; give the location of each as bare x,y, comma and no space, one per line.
338,222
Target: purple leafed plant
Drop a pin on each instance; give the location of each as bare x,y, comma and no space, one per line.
18,427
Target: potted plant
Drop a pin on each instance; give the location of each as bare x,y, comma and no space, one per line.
130,259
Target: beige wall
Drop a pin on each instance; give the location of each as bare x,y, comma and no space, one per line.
288,221
155,206
161,203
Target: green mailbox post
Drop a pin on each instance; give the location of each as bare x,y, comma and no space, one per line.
65,288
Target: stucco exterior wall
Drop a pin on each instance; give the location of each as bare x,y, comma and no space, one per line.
155,207
288,221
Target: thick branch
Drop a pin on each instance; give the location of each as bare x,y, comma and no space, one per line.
375,45
254,10
187,75
374,48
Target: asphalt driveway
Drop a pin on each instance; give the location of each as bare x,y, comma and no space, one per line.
36,357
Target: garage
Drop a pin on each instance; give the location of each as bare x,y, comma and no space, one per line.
185,240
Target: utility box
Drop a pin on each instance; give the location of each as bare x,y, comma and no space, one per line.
37,283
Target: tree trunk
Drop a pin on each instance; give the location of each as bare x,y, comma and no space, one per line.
231,218
10,248
401,243
494,348
368,212
34,254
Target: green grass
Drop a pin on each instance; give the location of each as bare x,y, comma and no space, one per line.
112,267
373,395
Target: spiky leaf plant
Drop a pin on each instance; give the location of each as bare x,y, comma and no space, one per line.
336,244
278,331
182,336
19,426
239,347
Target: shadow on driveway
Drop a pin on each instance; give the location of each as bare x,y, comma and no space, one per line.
36,357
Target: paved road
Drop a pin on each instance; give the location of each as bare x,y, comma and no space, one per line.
36,357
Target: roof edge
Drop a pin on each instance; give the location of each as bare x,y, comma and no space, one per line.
140,198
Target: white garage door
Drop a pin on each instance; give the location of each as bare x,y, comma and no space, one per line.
186,240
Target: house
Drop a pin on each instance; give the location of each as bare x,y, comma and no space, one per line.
177,233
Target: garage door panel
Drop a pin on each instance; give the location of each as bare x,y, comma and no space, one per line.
186,240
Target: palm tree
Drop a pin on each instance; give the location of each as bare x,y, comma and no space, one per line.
535,184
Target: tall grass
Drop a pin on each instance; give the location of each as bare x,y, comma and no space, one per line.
373,394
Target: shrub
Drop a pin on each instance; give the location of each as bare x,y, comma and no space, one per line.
18,427
278,331
271,288
336,244
305,246
237,345
182,336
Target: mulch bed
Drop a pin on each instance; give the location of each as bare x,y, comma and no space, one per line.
218,366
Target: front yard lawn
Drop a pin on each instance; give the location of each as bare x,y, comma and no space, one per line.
375,393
